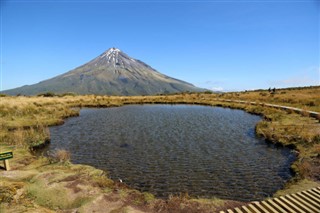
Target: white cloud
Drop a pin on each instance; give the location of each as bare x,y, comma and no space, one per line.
220,89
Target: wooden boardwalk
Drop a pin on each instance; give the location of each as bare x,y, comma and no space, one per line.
302,202
297,110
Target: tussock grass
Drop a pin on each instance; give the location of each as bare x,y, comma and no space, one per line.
8,190
25,121
59,156
300,186
305,98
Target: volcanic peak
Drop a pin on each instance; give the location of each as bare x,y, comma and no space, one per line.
111,73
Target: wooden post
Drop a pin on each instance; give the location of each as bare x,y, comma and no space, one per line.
6,164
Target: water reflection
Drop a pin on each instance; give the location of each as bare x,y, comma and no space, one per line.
168,149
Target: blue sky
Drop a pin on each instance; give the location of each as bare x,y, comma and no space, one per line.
220,45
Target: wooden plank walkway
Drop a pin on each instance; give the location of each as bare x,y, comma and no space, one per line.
302,202
313,114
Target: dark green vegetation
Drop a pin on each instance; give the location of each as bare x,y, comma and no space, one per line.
34,181
111,73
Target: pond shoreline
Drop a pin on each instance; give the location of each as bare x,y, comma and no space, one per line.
271,127
231,104
227,129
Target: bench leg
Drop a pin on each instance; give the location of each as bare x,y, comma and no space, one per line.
6,165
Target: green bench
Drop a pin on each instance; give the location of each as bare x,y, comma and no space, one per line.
5,156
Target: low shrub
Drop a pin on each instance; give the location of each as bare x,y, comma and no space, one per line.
311,103
68,94
47,94
59,156
305,113
103,181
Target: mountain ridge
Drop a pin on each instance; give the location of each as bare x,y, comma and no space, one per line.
111,73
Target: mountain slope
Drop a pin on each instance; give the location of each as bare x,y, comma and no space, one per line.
111,73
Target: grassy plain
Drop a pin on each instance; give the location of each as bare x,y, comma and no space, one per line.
54,184
306,98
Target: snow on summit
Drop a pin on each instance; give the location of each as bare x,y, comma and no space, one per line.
111,52
112,56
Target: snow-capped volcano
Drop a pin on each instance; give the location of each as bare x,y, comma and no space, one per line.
111,73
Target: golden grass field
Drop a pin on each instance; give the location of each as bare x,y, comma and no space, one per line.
54,184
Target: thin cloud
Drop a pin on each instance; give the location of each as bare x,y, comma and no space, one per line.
220,89
212,85
307,77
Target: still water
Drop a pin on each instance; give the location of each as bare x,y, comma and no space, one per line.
167,149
